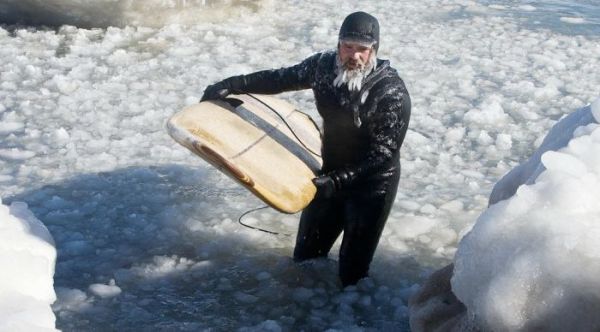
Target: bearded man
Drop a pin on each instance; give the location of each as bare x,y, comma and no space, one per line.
365,109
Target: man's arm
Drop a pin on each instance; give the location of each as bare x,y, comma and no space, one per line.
387,129
272,81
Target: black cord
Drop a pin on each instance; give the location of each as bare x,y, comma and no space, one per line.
257,228
288,125
299,140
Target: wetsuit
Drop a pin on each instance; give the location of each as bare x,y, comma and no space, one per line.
362,134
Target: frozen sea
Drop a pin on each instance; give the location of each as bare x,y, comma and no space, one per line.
146,234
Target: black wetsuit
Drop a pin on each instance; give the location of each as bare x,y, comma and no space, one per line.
362,135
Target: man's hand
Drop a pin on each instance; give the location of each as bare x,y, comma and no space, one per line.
218,90
325,186
328,184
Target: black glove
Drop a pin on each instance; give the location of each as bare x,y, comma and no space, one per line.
332,182
325,186
218,90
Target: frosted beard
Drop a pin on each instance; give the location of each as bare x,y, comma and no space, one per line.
353,78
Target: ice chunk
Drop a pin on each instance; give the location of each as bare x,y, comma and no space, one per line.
529,261
27,259
105,291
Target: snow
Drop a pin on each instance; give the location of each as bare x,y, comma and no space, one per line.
27,259
147,234
558,137
542,240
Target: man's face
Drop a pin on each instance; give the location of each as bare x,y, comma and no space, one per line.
354,55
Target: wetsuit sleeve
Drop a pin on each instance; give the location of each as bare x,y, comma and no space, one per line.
386,128
275,81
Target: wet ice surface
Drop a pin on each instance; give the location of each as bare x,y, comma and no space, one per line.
147,234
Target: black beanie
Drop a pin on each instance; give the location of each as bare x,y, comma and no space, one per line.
360,27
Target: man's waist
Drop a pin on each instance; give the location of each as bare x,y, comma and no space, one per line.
373,168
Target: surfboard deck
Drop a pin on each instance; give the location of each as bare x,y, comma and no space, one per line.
245,138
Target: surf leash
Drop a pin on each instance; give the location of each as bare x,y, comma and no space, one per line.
299,140
288,125
258,228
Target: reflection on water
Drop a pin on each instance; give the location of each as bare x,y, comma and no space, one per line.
104,13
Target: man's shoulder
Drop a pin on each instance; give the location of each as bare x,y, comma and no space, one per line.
318,64
387,70
388,88
322,56
387,76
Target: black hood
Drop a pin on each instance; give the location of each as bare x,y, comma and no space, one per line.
360,27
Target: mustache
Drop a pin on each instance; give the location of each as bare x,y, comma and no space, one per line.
352,78
354,62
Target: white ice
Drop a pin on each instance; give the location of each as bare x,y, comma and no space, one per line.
531,260
27,258
147,234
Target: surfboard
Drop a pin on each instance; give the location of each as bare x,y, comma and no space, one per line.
262,142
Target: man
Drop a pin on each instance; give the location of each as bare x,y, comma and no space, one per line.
365,109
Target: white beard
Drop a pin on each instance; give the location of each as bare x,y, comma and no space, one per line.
353,78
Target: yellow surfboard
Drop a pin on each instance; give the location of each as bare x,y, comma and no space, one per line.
260,141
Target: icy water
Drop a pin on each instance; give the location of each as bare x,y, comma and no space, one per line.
568,17
82,141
